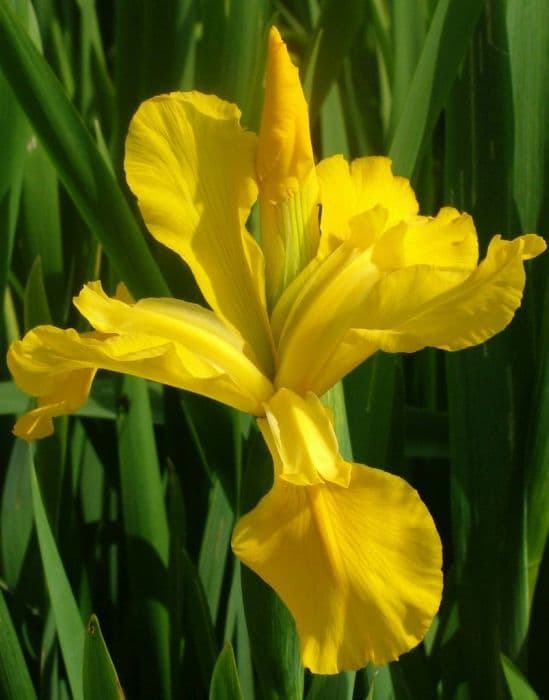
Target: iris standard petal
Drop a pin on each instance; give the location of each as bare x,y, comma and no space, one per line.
288,188
192,168
358,567
448,240
164,340
348,190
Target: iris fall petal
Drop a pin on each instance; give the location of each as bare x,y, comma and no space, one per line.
358,567
167,341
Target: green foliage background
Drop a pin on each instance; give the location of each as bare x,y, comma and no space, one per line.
127,511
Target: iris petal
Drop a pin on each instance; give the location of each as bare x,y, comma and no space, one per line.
448,240
164,340
301,438
424,291
288,188
192,168
358,567
421,306
349,190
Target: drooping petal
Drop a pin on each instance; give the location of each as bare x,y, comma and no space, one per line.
400,311
164,340
301,438
421,306
67,395
358,567
192,167
348,190
288,188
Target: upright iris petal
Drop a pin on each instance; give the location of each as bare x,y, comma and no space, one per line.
192,168
288,188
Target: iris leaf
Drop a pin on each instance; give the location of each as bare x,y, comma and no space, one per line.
99,674
15,682
68,623
447,40
225,684
79,164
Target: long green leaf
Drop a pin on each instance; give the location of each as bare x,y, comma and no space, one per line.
99,675
68,622
198,614
215,546
337,26
537,467
445,46
519,687
528,31
146,528
82,169
15,681
490,387
16,517
225,684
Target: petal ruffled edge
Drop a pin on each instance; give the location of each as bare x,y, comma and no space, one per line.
358,567
422,306
347,190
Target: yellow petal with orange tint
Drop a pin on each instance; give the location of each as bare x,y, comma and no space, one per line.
358,567
192,167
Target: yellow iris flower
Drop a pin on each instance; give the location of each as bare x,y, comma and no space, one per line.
346,267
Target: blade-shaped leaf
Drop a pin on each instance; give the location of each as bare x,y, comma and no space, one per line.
225,684
146,528
518,686
81,167
15,682
99,675
445,46
68,623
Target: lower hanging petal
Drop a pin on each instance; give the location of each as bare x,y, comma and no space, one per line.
420,306
404,310
164,340
358,567
70,395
